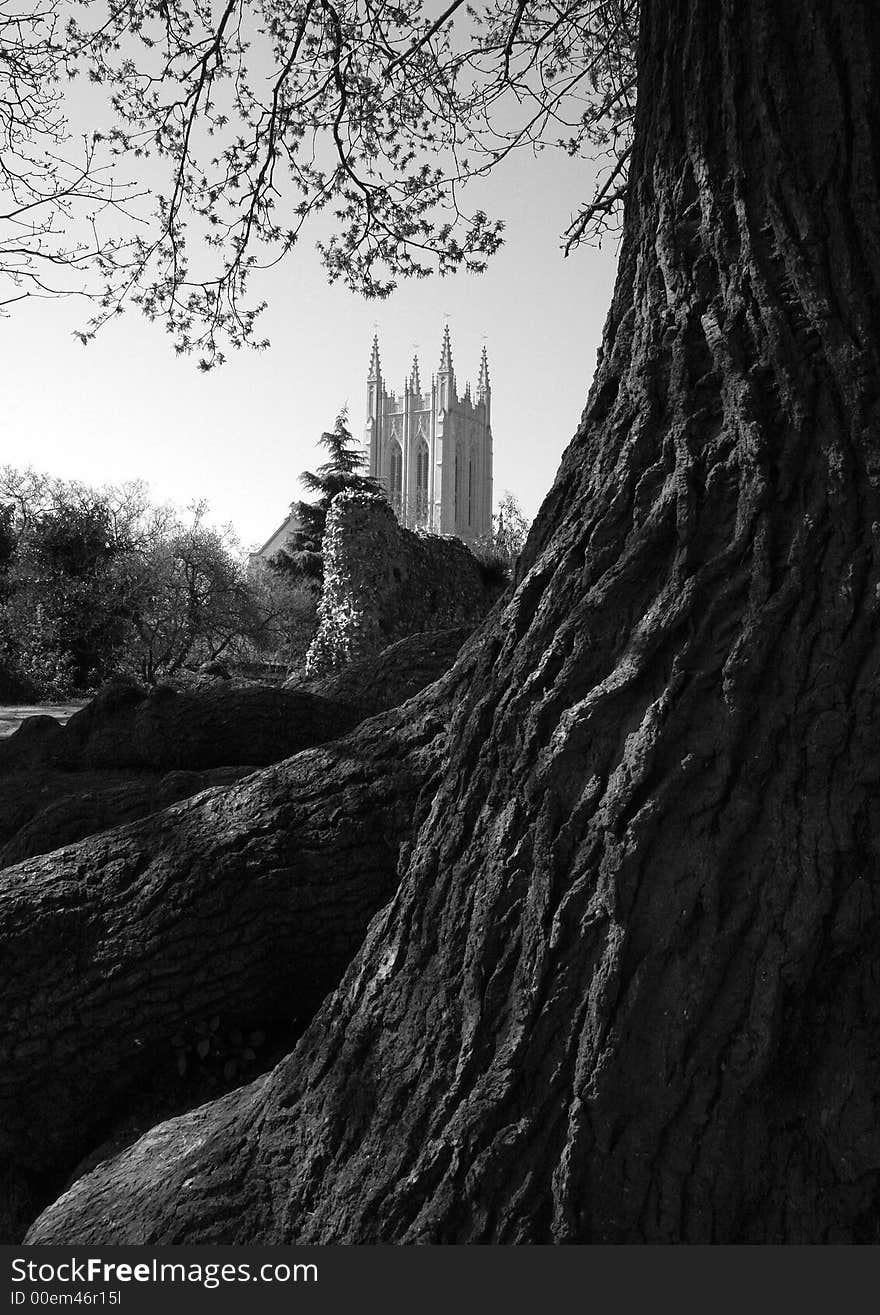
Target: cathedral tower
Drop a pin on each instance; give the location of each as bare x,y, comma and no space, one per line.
433,450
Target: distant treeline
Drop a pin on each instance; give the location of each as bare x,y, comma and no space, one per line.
101,582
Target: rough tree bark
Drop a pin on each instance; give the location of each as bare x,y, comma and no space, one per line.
64,808
627,989
58,785
381,681
127,727
245,902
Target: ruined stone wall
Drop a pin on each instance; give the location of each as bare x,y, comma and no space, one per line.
382,582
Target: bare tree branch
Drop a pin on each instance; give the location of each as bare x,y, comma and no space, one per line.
368,127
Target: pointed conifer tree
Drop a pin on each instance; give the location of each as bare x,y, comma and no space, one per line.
303,557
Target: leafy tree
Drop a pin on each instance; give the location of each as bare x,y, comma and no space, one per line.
34,654
62,624
499,550
7,541
128,516
302,559
290,611
190,602
509,528
100,581
65,618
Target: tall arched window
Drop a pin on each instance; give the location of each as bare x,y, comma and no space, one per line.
471,487
421,482
459,481
396,480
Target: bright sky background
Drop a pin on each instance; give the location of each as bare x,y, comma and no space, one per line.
126,407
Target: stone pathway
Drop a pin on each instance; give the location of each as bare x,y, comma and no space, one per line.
12,717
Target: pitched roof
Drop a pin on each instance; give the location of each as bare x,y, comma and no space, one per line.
276,541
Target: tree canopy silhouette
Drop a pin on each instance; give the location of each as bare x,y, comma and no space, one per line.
302,557
252,121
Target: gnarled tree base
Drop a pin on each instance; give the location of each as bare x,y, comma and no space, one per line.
244,902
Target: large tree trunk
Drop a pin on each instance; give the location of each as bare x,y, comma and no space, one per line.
627,989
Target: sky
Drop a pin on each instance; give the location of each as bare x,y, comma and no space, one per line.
126,407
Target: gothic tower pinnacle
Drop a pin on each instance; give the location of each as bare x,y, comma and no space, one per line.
375,367
446,374
446,354
483,385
